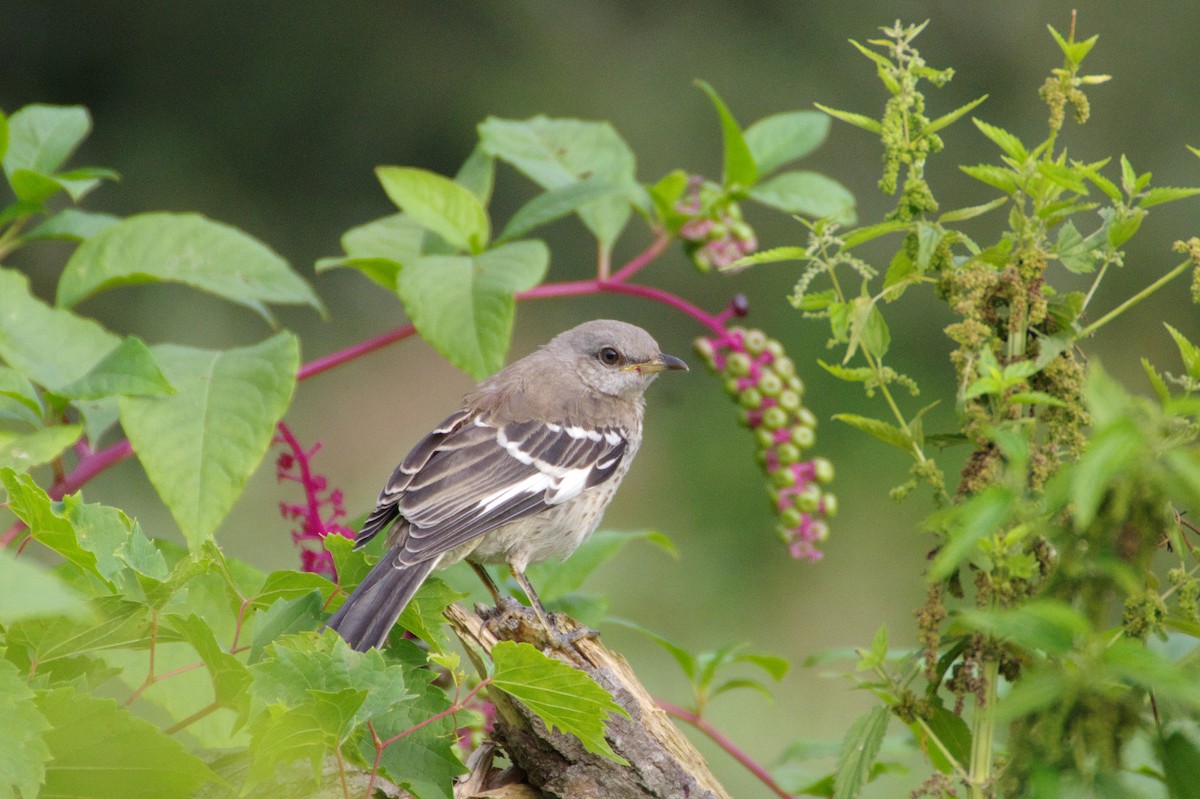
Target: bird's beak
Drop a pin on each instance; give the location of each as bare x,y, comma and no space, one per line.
659,364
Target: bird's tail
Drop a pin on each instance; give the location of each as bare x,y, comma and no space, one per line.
367,615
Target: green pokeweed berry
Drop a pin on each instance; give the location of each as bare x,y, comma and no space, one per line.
705,349
829,505
774,418
750,398
775,348
822,470
770,384
784,477
737,364
790,518
754,341
766,439
784,366
806,417
787,453
803,437
790,401
808,499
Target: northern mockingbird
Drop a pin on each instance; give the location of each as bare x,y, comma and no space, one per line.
522,472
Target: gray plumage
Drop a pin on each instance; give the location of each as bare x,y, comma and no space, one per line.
522,472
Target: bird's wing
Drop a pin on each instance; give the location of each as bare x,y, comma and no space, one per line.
472,475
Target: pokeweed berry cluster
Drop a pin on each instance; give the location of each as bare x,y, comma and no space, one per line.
762,379
716,235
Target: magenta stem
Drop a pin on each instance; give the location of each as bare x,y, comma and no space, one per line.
92,463
717,737
301,455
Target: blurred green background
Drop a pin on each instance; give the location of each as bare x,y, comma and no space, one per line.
272,115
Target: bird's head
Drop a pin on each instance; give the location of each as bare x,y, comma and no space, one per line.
614,358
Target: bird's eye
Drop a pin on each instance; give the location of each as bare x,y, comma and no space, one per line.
609,356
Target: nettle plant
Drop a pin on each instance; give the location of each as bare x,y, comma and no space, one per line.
1053,659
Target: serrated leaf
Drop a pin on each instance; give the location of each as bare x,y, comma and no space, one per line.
808,193
859,749
952,117
1009,144
1156,381
200,445
555,152
554,204
855,374
1073,251
188,249
995,176
99,750
283,617
864,234
1188,351
1109,453
885,432
780,138
857,120
1035,398
563,697
464,306
23,451
229,677
739,169
963,214
772,256
1165,194
50,346
439,204
129,369
23,749
422,616
28,591
305,731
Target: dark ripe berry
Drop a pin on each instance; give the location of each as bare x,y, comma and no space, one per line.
789,401
750,399
769,383
740,305
754,341
803,437
775,418
737,364
822,470
787,453
784,366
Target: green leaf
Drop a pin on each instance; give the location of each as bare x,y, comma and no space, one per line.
1071,249
963,214
860,747
28,591
50,346
808,193
188,249
305,731
995,176
464,306
1009,144
1112,450
1069,178
422,616
19,400
966,525
229,677
1188,351
23,451
949,119
284,617
72,224
864,234
478,174
929,238
1046,625
23,750
99,750
563,697
555,204
857,120
954,734
739,167
556,580
3,135
887,433
379,248
772,256
666,194
1165,194
40,140
856,374
555,152
130,369
780,138
200,445
1181,765
438,204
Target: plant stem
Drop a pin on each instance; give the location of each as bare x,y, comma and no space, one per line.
1135,299
983,728
729,746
